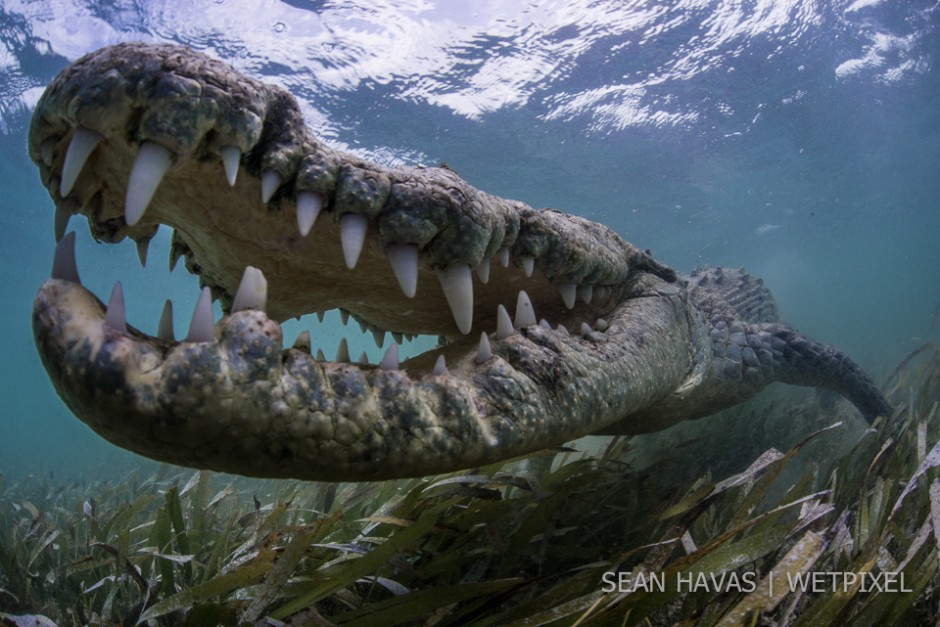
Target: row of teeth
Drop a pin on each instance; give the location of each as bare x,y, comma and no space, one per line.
153,160
252,294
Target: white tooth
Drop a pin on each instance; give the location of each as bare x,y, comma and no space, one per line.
252,291
343,316
63,213
379,338
602,292
404,260
457,284
63,261
585,329
270,181
390,361
201,327
528,265
165,326
363,359
47,150
83,142
142,246
342,351
586,292
504,257
114,316
176,251
151,163
309,205
440,366
483,270
230,158
503,323
601,325
398,337
562,329
302,343
320,355
352,233
568,293
484,353
320,316
525,314
544,324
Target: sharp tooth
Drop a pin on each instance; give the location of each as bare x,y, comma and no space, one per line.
201,327
230,158
440,366
342,351
270,181
352,232
503,323
363,359
47,150
504,257
63,261
398,337
586,292
176,250
142,246
602,292
320,316
562,329
252,291
601,325
343,316
379,338
320,355
585,329
165,326
309,205
83,142
457,284
568,293
525,314
484,353
363,327
302,343
528,265
544,324
390,361
114,316
483,270
404,260
150,165
63,213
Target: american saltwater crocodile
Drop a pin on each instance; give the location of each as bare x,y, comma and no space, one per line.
276,224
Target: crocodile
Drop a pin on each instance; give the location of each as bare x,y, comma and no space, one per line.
277,224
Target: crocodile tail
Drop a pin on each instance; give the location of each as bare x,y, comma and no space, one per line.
799,360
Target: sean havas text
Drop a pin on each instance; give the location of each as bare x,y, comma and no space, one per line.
621,581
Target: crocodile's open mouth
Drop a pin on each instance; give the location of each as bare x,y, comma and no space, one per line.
138,136
276,225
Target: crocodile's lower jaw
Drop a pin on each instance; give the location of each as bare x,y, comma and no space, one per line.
276,225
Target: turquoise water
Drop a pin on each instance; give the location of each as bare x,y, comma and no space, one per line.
798,139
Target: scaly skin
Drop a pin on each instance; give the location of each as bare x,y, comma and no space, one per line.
657,348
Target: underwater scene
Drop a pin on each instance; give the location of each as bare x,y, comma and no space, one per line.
483,312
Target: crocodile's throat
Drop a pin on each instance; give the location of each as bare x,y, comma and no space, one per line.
276,225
